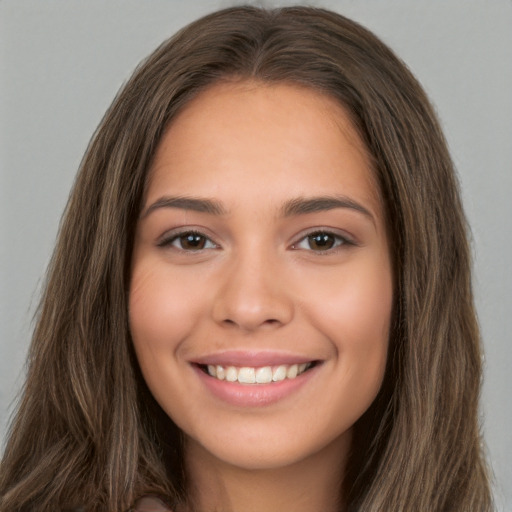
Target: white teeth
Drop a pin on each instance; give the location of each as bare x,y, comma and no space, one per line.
246,375
261,375
264,375
231,374
292,371
221,373
279,373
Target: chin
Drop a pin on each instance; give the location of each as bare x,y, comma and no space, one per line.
264,450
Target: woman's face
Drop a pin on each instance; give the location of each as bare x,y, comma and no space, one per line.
261,287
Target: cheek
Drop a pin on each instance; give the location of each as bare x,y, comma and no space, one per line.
365,307
353,310
162,310
361,295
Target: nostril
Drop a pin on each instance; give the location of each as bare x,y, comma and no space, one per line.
249,325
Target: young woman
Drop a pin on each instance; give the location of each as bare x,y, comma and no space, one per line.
260,298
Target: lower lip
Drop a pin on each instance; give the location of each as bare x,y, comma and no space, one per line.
254,395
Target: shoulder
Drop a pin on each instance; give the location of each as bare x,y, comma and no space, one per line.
150,504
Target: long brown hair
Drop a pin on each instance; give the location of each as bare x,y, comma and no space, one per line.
87,431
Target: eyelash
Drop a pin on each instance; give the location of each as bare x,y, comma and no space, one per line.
168,241
339,241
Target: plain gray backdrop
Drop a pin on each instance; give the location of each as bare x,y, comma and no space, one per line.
62,62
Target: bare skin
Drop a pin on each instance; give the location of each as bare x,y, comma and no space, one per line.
262,253
308,485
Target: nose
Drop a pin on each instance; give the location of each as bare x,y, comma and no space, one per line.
254,295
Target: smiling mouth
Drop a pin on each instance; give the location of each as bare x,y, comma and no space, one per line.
257,375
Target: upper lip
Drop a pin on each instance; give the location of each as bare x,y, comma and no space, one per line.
251,358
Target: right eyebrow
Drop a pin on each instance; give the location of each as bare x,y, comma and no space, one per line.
202,205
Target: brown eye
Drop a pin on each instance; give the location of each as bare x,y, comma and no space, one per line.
192,241
188,241
321,241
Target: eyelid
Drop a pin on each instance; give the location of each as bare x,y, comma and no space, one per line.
169,237
166,240
345,238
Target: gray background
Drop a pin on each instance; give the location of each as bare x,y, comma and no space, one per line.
62,61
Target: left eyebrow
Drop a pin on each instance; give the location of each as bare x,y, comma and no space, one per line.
302,206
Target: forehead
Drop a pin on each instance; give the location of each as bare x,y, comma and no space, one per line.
258,133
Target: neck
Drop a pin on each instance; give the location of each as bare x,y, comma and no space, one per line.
309,485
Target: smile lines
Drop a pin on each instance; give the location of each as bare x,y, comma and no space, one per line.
253,375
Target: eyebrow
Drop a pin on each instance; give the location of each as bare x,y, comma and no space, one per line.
196,204
297,206
302,206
